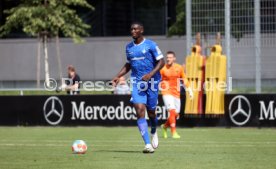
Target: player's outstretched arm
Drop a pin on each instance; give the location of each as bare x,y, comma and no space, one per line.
160,64
187,84
125,69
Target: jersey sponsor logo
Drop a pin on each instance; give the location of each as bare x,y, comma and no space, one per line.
144,51
138,58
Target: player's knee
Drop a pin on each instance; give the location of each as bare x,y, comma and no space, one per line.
140,111
140,115
151,113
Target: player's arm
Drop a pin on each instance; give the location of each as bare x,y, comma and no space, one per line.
186,83
159,59
162,74
160,64
125,69
184,79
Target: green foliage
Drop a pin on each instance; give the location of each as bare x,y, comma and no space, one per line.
178,28
51,16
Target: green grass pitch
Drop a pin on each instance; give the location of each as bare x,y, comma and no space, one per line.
120,148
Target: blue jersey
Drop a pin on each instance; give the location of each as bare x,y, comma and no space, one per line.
143,58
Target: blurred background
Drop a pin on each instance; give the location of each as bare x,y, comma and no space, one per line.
248,38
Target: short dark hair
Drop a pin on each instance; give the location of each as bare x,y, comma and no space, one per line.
137,23
171,52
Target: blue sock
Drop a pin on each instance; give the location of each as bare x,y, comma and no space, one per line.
153,124
143,128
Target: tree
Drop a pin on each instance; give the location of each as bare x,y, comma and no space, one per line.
45,19
178,28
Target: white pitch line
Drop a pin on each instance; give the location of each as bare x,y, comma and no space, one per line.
130,145
138,141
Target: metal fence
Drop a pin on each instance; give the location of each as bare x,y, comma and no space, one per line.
247,26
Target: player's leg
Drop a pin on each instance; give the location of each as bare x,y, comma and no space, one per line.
167,123
177,110
168,102
153,122
152,100
139,100
171,107
143,126
142,122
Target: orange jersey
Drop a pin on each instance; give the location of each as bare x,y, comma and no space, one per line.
171,76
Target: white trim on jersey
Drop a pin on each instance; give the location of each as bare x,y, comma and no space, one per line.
159,57
139,43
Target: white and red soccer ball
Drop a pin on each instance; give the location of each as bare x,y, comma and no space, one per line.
79,147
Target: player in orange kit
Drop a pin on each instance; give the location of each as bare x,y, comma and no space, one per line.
172,73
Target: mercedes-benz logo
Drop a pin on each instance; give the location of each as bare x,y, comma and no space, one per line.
53,110
239,113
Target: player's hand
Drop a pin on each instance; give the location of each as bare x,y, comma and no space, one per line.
147,77
191,94
115,81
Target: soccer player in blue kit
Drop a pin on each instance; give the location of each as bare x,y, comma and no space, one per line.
145,60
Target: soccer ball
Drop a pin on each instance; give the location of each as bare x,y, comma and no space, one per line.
79,147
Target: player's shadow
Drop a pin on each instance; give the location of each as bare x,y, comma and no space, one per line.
118,151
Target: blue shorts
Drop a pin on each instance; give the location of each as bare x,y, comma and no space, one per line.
148,96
